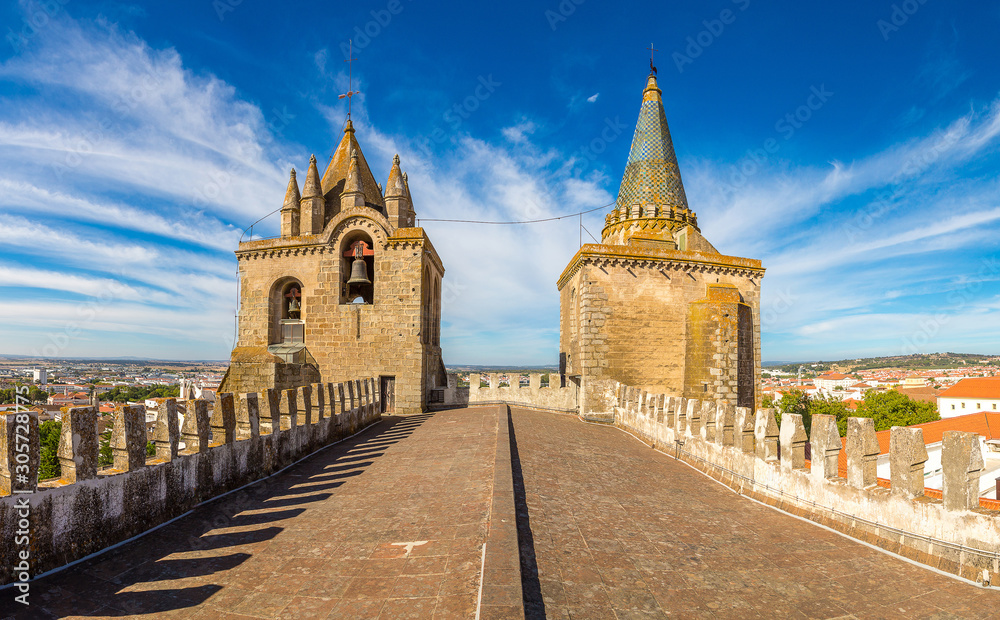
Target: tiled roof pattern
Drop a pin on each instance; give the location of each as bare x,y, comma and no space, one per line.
652,175
982,387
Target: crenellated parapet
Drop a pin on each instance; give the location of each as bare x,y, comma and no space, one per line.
795,471
201,452
510,389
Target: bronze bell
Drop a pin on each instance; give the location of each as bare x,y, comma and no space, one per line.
359,272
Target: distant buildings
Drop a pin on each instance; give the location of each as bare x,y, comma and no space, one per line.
970,396
832,380
41,376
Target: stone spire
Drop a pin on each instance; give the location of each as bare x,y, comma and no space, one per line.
651,187
397,197
335,177
354,193
312,203
290,209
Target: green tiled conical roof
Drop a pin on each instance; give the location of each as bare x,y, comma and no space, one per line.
652,175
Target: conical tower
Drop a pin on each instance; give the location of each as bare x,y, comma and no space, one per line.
290,209
654,305
312,204
651,205
397,197
335,177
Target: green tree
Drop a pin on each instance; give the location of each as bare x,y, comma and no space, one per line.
794,401
105,457
836,408
123,394
48,434
35,394
892,408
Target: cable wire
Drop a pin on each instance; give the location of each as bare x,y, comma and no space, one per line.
548,219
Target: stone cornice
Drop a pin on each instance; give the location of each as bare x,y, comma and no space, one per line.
648,258
278,251
403,238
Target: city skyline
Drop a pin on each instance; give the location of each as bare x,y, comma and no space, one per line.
140,142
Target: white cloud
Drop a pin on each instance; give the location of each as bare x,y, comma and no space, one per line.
518,134
593,98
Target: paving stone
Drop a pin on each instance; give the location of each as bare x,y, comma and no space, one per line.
622,531
326,538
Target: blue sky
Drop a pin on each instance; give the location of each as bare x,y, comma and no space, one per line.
137,141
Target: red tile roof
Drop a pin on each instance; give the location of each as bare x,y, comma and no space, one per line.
833,376
983,423
982,387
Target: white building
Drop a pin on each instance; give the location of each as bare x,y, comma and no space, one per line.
832,380
970,396
41,376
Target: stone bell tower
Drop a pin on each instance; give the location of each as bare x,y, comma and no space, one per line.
655,305
350,289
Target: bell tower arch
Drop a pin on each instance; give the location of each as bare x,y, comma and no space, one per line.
342,293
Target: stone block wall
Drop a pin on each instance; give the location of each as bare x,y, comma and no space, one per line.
627,315
749,452
511,392
389,337
89,509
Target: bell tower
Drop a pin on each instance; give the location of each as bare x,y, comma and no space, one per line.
350,288
655,305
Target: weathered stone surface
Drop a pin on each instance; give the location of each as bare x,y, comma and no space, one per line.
962,464
319,398
766,434
661,408
352,395
333,399
273,399
195,430
693,418
13,466
825,446
793,441
743,430
343,398
224,419
862,452
907,455
248,416
708,411
78,444
725,419
290,409
128,437
305,398
166,433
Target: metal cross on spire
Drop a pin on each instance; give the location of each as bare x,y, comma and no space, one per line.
350,73
652,50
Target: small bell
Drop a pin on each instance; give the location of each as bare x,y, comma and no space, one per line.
359,272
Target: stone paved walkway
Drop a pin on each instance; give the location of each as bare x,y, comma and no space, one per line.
326,538
391,524
623,531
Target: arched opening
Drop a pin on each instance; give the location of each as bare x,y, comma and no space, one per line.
437,312
287,304
357,268
425,310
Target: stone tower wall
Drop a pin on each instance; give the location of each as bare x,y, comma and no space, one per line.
384,338
625,317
